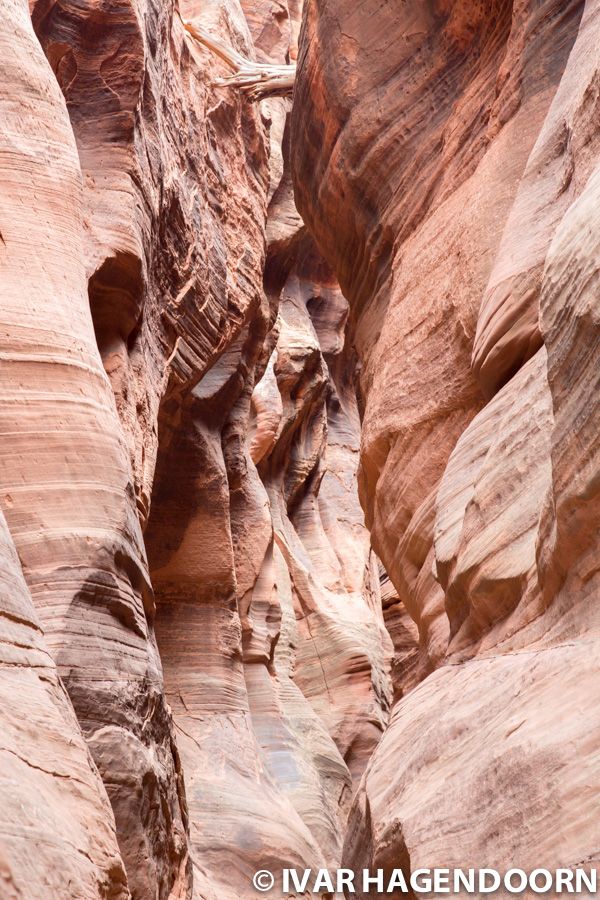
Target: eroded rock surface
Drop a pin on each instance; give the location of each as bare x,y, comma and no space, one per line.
444,158
246,347
180,442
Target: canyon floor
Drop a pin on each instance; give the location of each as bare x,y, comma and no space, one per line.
299,442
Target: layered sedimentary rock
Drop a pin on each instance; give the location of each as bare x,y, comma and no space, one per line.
58,832
200,649
444,158
180,445
67,483
273,713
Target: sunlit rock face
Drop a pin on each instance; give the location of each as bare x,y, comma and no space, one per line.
445,159
183,544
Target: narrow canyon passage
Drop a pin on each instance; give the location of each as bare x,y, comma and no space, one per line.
299,415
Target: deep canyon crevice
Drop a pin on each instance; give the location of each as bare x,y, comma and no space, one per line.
299,418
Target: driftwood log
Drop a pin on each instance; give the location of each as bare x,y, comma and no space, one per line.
256,80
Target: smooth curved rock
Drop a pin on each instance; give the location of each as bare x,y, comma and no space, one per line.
193,373
507,329
438,150
66,483
420,200
52,796
489,505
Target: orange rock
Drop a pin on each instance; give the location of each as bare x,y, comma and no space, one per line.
442,157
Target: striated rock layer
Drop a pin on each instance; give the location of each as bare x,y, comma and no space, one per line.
184,546
245,348
445,157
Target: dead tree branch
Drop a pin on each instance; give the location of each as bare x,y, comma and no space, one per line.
256,80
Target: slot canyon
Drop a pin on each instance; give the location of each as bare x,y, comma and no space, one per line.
299,450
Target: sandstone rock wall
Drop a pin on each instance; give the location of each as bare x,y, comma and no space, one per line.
184,543
229,334
445,157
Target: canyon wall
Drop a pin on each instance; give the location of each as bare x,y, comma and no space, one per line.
195,665
298,469
445,160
